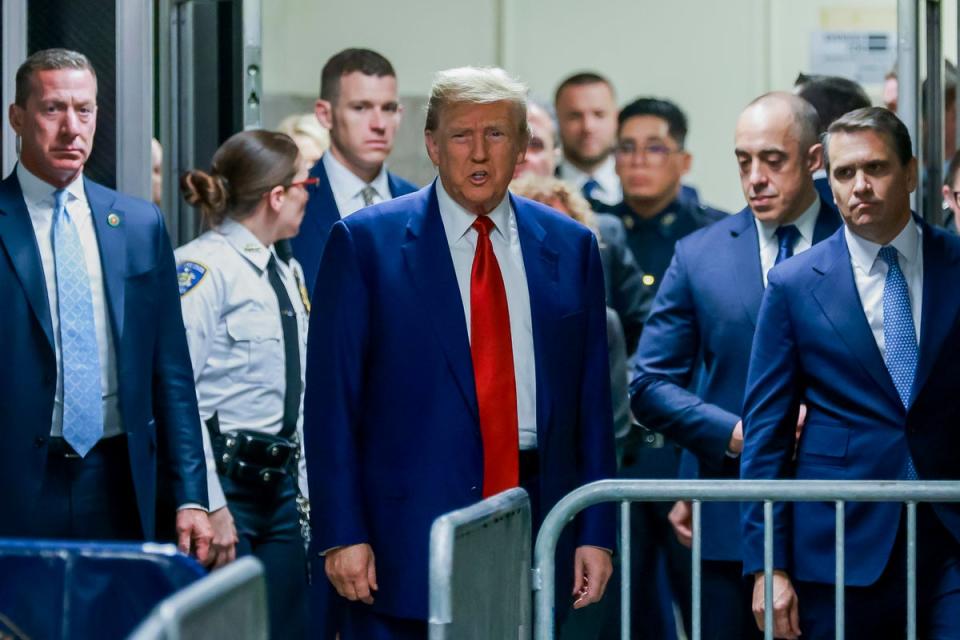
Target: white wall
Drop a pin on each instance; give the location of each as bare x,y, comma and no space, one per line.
709,56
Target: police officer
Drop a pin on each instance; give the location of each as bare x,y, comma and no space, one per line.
245,310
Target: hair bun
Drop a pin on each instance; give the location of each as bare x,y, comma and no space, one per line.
206,191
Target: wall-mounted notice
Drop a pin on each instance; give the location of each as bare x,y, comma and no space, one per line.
864,56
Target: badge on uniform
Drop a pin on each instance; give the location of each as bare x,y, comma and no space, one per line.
648,280
189,275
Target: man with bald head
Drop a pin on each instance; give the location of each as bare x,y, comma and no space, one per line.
704,316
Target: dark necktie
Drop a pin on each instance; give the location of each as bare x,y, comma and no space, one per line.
491,349
588,187
787,235
291,349
899,335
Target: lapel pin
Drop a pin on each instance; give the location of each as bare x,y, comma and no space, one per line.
113,219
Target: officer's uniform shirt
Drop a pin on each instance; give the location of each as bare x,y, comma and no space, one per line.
652,239
607,191
232,319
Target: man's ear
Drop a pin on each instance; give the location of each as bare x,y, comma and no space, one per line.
433,147
16,115
323,109
815,158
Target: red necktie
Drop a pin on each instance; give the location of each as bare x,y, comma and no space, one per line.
492,352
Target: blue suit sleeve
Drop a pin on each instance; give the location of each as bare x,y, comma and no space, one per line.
771,407
175,398
665,363
597,460
336,345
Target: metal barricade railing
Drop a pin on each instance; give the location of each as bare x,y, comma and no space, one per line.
230,603
766,491
480,570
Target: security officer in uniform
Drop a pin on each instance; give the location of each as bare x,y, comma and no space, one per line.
651,161
245,310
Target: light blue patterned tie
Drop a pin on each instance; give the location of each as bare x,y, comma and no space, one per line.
899,335
79,354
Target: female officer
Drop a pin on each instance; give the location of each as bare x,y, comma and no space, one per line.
245,311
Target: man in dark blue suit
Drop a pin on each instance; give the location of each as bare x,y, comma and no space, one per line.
862,331
97,382
703,321
359,105
460,350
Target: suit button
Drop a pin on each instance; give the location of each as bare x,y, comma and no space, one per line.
39,441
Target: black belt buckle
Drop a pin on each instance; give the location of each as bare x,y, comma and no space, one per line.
60,448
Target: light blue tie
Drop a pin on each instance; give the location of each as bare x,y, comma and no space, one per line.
79,354
899,335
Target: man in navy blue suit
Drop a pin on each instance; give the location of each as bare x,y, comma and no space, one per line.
862,331
703,320
460,350
96,383
358,103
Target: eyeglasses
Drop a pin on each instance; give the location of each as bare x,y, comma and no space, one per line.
653,154
306,182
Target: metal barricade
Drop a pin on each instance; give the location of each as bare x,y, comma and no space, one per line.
230,603
480,570
765,491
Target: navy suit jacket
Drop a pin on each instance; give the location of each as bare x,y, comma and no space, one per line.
319,217
701,329
391,423
158,404
813,345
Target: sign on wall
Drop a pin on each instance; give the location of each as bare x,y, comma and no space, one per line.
863,56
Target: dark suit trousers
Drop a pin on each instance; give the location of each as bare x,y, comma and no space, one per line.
879,611
268,527
725,602
90,498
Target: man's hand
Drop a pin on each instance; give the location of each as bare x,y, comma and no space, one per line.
736,438
223,547
786,610
681,519
352,572
194,534
592,568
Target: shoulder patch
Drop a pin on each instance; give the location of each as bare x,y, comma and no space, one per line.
189,275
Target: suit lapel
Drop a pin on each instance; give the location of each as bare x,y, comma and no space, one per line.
110,225
541,263
427,256
746,262
17,235
940,305
324,213
837,295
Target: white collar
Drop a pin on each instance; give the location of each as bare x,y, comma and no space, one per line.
605,174
457,220
39,192
805,224
345,183
864,253
245,243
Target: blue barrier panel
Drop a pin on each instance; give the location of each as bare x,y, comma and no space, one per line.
77,590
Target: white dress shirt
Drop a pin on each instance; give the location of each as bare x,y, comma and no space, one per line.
347,187
38,196
770,244
232,319
870,274
607,191
462,239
